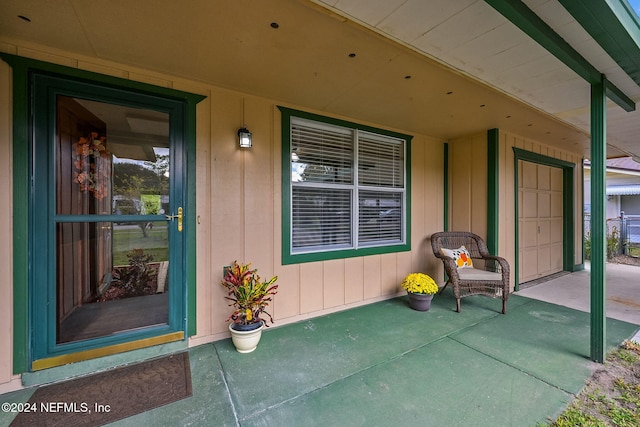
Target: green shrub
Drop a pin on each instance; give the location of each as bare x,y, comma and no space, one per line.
613,243
136,276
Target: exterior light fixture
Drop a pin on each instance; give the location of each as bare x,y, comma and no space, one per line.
244,137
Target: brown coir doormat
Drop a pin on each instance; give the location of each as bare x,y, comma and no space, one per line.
109,396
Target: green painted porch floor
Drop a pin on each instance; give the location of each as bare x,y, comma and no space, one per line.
385,365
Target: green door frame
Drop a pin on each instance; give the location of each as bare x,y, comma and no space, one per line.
23,68
568,210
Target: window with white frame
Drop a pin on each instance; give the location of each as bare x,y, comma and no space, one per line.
346,193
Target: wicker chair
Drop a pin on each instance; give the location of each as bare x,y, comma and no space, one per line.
489,275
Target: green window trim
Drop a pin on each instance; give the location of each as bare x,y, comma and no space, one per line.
21,69
568,209
287,257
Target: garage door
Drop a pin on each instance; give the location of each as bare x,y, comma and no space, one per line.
540,220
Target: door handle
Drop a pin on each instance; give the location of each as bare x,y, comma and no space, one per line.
178,217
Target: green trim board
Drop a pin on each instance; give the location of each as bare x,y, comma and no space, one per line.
493,190
21,69
581,265
614,26
190,253
20,184
445,174
532,25
287,257
568,211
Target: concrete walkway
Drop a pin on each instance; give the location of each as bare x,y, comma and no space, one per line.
573,290
386,365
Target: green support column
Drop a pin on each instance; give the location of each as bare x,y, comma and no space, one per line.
598,219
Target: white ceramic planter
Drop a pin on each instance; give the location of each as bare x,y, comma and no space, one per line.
246,341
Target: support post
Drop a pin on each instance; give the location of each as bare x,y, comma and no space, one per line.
598,219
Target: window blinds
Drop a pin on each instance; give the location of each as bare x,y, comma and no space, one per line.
347,187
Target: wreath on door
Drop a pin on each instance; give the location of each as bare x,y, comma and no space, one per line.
93,171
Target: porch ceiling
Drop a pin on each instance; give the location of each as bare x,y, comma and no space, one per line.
399,77
473,37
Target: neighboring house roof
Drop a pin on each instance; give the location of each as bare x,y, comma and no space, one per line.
623,190
623,176
623,163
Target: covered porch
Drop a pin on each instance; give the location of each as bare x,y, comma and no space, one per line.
382,363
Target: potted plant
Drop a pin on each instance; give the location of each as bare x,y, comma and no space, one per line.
420,287
249,297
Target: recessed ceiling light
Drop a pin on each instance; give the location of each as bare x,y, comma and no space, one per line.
275,25
352,55
407,77
24,18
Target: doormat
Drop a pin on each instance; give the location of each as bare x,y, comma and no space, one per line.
109,396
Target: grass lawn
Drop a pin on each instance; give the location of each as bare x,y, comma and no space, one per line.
611,396
128,237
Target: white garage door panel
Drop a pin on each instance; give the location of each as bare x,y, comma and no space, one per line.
528,175
529,234
544,178
556,179
556,204
544,205
544,260
544,232
556,258
529,263
556,231
540,203
529,204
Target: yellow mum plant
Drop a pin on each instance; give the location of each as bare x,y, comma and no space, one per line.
419,283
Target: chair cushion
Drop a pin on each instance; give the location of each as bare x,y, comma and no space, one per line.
461,256
477,274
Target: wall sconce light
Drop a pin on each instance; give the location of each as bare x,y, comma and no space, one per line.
244,137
